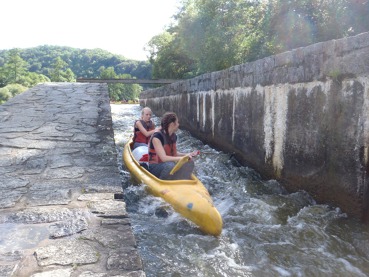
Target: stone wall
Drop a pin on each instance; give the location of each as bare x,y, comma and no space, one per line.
301,117
61,206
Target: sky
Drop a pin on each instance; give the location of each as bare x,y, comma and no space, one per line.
118,26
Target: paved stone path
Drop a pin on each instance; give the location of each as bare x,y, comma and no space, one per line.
61,207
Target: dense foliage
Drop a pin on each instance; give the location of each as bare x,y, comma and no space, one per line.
120,92
10,91
207,35
83,62
27,67
211,35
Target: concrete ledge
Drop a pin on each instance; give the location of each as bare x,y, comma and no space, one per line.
59,214
300,117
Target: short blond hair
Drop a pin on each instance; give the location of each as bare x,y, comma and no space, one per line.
145,109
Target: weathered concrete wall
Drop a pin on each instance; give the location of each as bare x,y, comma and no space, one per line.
301,117
61,212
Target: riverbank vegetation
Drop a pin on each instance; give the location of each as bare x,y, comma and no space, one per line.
205,36
21,69
211,35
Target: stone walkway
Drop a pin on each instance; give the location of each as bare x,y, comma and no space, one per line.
61,207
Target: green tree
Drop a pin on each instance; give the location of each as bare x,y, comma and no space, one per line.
3,77
296,23
15,71
16,89
215,34
5,95
120,92
14,67
210,35
10,91
60,71
82,62
30,79
128,91
69,75
168,58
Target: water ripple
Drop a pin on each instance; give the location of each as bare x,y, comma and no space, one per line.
267,231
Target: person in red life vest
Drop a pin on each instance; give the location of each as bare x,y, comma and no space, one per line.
163,153
143,128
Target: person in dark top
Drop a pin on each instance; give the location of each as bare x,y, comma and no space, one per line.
163,153
143,128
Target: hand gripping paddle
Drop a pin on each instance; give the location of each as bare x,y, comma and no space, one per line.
179,164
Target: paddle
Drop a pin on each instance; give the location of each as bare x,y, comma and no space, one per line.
179,164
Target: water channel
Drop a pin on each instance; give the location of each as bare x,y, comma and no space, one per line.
267,231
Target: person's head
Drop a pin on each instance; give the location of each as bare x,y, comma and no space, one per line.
169,122
146,114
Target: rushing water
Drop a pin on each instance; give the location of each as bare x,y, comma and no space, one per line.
266,230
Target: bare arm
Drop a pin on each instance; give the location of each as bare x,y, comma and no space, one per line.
164,157
192,154
161,152
144,131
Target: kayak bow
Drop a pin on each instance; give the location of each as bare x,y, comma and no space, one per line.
190,198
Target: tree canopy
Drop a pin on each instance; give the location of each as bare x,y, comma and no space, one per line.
120,92
30,66
83,62
206,36
211,35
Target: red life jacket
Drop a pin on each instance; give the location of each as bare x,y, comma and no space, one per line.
169,148
140,137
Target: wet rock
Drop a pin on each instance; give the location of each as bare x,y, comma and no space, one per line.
115,221
60,173
112,238
10,182
61,148
96,196
5,161
59,161
9,198
55,273
26,143
68,227
92,274
161,212
86,138
6,270
66,252
124,259
11,256
139,273
42,194
108,208
42,215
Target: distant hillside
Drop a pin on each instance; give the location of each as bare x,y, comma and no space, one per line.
83,62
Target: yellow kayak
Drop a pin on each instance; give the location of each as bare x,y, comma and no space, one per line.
190,198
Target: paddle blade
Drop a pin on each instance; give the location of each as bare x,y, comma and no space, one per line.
179,164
